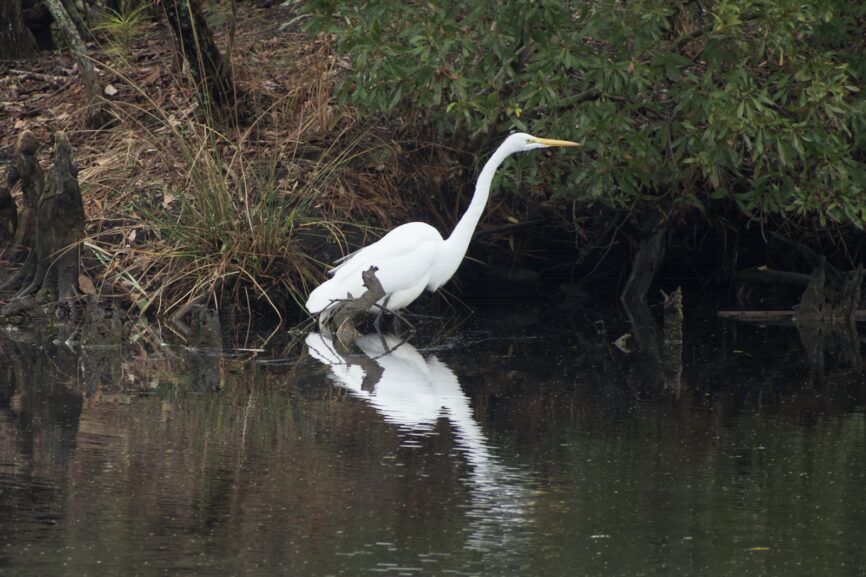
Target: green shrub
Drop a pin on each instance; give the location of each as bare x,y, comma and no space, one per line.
755,102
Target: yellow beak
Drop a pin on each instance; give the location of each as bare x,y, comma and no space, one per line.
552,142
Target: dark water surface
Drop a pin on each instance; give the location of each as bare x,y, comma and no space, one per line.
502,447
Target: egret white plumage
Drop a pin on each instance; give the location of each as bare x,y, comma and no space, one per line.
414,256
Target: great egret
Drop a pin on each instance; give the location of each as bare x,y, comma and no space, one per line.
414,256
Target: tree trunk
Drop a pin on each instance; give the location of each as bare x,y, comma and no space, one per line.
210,71
38,20
648,258
96,117
77,19
16,41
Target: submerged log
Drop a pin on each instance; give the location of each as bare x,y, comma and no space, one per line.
339,318
774,317
59,231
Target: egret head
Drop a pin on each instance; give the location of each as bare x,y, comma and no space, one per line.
521,141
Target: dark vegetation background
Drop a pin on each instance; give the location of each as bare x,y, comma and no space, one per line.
230,149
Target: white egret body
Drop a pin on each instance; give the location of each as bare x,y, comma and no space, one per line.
414,256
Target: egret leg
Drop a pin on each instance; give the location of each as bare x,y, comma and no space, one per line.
388,350
405,320
377,322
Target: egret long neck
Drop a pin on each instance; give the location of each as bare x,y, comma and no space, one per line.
454,248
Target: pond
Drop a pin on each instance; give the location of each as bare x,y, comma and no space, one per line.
518,445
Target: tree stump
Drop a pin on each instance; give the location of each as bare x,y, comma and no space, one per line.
8,215
59,231
100,359
826,319
205,328
206,342
24,169
672,348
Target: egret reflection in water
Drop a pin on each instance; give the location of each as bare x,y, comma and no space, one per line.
413,392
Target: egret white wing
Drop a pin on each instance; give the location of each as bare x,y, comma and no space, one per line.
402,239
404,257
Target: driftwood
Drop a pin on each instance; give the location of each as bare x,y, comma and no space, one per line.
339,318
24,169
59,231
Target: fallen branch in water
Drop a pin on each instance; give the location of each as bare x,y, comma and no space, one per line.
754,316
339,317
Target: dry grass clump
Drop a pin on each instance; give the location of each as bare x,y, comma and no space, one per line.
182,211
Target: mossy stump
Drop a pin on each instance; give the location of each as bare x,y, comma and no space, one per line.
53,278
25,169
